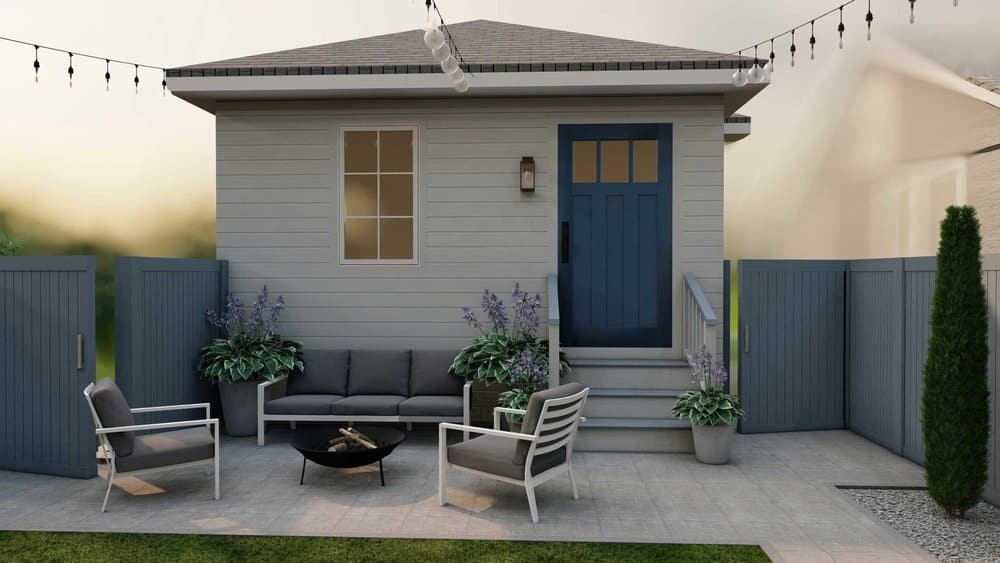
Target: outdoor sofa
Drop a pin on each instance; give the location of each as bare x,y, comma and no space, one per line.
366,386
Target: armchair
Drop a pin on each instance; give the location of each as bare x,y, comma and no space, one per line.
181,444
541,451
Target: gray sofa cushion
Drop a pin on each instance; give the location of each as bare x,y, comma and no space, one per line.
301,404
431,405
495,455
430,374
113,410
324,373
379,372
168,448
372,405
534,410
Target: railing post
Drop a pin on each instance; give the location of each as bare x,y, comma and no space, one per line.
552,287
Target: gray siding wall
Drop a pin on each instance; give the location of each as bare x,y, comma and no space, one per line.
45,424
160,328
278,194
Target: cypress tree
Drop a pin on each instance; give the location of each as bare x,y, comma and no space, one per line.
956,393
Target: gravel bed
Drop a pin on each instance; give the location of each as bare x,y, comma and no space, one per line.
913,514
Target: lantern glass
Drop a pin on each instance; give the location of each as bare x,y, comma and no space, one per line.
527,174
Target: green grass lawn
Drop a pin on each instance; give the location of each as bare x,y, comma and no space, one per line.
80,547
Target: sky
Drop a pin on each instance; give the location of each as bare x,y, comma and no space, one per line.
130,166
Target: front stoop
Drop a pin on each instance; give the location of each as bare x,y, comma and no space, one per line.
628,409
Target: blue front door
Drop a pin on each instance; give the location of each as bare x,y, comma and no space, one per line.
615,184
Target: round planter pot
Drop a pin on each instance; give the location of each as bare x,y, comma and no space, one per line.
712,443
509,426
239,407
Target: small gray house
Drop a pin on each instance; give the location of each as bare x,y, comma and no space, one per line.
353,179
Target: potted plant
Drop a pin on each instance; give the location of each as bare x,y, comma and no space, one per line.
712,411
509,352
251,352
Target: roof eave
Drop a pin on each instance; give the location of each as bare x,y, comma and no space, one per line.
204,92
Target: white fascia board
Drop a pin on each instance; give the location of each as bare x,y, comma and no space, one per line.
735,131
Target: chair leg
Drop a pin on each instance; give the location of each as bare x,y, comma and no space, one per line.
217,462
409,426
260,430
107,493
291,424
442,466
530,489
572,481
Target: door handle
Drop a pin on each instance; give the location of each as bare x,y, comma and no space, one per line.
746,339
564,242
79,351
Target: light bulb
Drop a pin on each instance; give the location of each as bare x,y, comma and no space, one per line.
955,3
740,78
457,77
756,74
869,34
462,86
812,55
793,61
442,52
912,18
449,65
769,67
433,38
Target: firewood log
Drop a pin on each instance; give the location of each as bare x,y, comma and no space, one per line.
359,437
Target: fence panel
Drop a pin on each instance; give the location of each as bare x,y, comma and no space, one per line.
991,277
919,276
160,329
47,357
875,351
791,369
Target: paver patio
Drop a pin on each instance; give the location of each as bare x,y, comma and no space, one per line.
778,492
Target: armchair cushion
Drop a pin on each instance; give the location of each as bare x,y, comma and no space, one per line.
432,405
535,404
430,373
168,448
113,410
371,405
301,404
379,372
495,455
324,373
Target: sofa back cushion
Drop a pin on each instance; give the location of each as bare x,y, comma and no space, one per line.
113,410
379,372
430,373
534,411
324,373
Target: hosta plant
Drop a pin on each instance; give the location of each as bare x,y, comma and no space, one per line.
252,349
709,404
508,352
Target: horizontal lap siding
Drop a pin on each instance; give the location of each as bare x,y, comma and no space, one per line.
277,209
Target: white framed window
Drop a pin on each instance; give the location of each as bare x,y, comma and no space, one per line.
378,195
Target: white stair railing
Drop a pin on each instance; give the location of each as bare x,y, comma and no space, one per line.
699,321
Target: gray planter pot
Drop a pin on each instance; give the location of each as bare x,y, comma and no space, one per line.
239,407
712,443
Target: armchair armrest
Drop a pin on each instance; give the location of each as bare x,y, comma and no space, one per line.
488,431
505,410
159,426
262,389
189,406
466,407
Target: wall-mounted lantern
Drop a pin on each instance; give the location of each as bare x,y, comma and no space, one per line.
527,174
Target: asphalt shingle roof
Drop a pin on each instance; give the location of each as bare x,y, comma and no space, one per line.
485,46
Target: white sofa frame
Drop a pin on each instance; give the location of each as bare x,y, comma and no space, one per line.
102,435
263,418
552,417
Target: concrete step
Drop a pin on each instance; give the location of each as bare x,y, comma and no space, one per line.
663,435
630,403
630,374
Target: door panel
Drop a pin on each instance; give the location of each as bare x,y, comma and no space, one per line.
615,194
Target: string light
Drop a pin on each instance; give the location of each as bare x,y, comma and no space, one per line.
444,49
792,49
812,40
912,18
164,83
136,80
840,28
37,65
769,67
70,70
107,75
869,17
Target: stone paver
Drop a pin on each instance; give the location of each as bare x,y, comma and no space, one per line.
778,492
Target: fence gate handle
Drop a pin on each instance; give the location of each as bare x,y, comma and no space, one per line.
746,339
79,351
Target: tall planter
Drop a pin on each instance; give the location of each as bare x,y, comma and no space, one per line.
239,407
713,443
956,391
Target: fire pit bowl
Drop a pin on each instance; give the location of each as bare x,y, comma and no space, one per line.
313,441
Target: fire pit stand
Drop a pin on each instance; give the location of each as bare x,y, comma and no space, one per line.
313,442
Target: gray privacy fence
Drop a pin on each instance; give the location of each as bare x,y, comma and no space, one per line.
47,357
842,344
160,328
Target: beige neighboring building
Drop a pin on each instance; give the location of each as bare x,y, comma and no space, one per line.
890,141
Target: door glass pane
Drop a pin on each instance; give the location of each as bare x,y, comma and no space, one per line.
614,161
397,151
397,239
360,151
360,192
584,162
644,161
396,195
361,239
